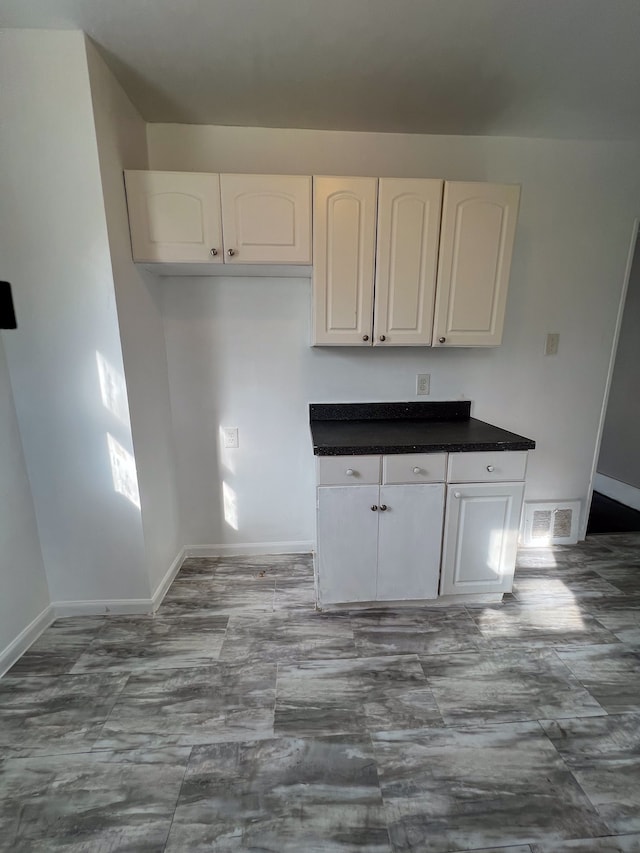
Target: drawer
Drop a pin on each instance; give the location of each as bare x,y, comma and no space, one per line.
348,470
414,468
487,467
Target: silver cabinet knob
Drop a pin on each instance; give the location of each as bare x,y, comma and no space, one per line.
383,507
213,252
457,494
441,340
383,337
374,508
490,468
231,252
417,470
349,472
365,337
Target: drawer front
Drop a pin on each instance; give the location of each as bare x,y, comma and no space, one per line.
348,470
487,467
414,468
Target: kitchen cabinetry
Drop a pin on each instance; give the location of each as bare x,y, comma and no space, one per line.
378,540
380,525
482,519
476,244
375,257
440,281
189,217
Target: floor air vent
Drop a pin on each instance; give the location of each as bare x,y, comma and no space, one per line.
550,523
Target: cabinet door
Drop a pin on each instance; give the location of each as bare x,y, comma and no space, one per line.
476,243
344,234
174,216
409,540
480,537
347,543
266,219
406,261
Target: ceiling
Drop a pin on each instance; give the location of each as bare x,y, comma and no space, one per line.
540,68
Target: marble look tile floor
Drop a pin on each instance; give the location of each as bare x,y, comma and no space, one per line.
240,719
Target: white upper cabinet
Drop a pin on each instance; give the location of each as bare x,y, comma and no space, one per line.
174,217
406,261
191,217
344,237
267,218
476,243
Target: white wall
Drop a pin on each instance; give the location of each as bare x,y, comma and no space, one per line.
24,594
238,349
55,251
121,135
620,451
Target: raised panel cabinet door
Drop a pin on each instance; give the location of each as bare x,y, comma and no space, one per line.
174,216
266,219
406,260
409,541
476,244
347,543
480,537
344,237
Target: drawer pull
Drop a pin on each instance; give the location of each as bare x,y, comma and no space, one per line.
457,494
383,507
490,468
417,470
374,508
349,472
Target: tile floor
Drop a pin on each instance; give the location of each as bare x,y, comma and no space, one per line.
239,719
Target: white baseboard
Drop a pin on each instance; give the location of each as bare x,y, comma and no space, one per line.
167,580
246,549
617,490
103,607
25,638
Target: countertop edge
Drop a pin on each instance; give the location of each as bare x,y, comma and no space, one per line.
442,447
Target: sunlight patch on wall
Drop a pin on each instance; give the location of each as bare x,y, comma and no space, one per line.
230,504
113,390
123,471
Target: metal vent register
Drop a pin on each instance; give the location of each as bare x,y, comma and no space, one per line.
550,523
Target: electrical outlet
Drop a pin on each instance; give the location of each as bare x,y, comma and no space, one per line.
551,344
423,383
230,437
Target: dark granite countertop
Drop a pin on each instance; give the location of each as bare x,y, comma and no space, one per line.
343,429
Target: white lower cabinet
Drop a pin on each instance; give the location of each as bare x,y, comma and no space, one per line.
480,537
381,539
379,543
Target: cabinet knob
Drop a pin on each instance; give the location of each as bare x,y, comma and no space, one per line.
383,507
365,337
417,470
231,252
490,468
374,508
383,337
457,494
213,252
441,340
349,472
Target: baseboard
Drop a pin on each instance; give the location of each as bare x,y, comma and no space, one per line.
103,607
617,490
247,549
167,580
25,638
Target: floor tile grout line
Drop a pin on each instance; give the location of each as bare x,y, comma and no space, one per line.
175,809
